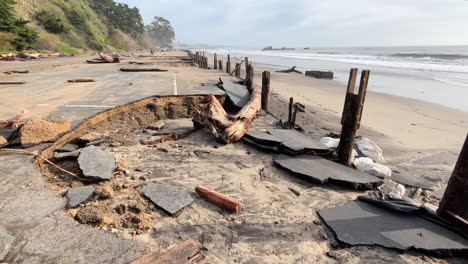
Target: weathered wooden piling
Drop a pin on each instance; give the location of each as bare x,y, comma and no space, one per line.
246,59
297,108
290,112
228,64
265,89
352,114
220,66
238,69
215,62
249,78
453,205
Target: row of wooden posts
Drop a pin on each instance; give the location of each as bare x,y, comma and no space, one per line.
453,205
202,61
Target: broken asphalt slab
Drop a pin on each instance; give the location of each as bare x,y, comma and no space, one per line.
237,94
320,170
168,198
359,223
263,140
96,163
79,195
294,142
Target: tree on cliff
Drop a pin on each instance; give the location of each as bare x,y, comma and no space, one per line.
161,31
24,37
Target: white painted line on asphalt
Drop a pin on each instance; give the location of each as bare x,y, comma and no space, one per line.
91,106
175,84
42,105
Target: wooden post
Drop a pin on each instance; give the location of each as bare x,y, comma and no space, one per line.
215,62
246,66
228,64
265,89
291,103
454,203
220,65
206,63
249,79
238,70
351,118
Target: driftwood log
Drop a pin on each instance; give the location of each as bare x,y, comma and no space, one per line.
225,127
142,70
82,80
110,59
219,199
187,252
293,69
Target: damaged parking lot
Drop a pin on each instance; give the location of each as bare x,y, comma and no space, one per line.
117,180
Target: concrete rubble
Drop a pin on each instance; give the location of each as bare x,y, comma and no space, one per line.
79,195
96,163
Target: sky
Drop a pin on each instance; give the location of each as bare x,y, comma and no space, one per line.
312,23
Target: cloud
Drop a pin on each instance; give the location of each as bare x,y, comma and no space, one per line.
312,22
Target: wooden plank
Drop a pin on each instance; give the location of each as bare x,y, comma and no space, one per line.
187,252
362,94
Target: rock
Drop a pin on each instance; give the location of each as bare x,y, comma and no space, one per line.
156,125
320,74
392,189
168,198
330,142
39,131
96,163
79,195
3,142
6,241
105,192
367,165
67,155
90,215
370,149
68,148
90,137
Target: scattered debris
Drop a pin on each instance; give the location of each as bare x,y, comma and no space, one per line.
320,170
96,163
67,148
263,140
170,130
187,252
320,74
294,142
370,149
110,59
158,125
82,80
219,199
330,142
15,121
392,189
142,70
297,193
367,165
39,131
8,83
360,223
168,198
11,72
67,155
94,61
90,137
79,195
293,69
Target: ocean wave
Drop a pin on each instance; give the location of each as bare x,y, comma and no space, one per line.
439,56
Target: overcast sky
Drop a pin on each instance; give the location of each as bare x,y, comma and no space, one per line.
314,23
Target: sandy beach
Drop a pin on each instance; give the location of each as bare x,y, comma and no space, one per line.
423,139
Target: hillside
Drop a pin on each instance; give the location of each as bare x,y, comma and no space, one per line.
72,25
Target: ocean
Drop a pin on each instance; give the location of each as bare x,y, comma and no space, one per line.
436,74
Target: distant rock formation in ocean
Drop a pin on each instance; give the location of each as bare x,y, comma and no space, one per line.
283,48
